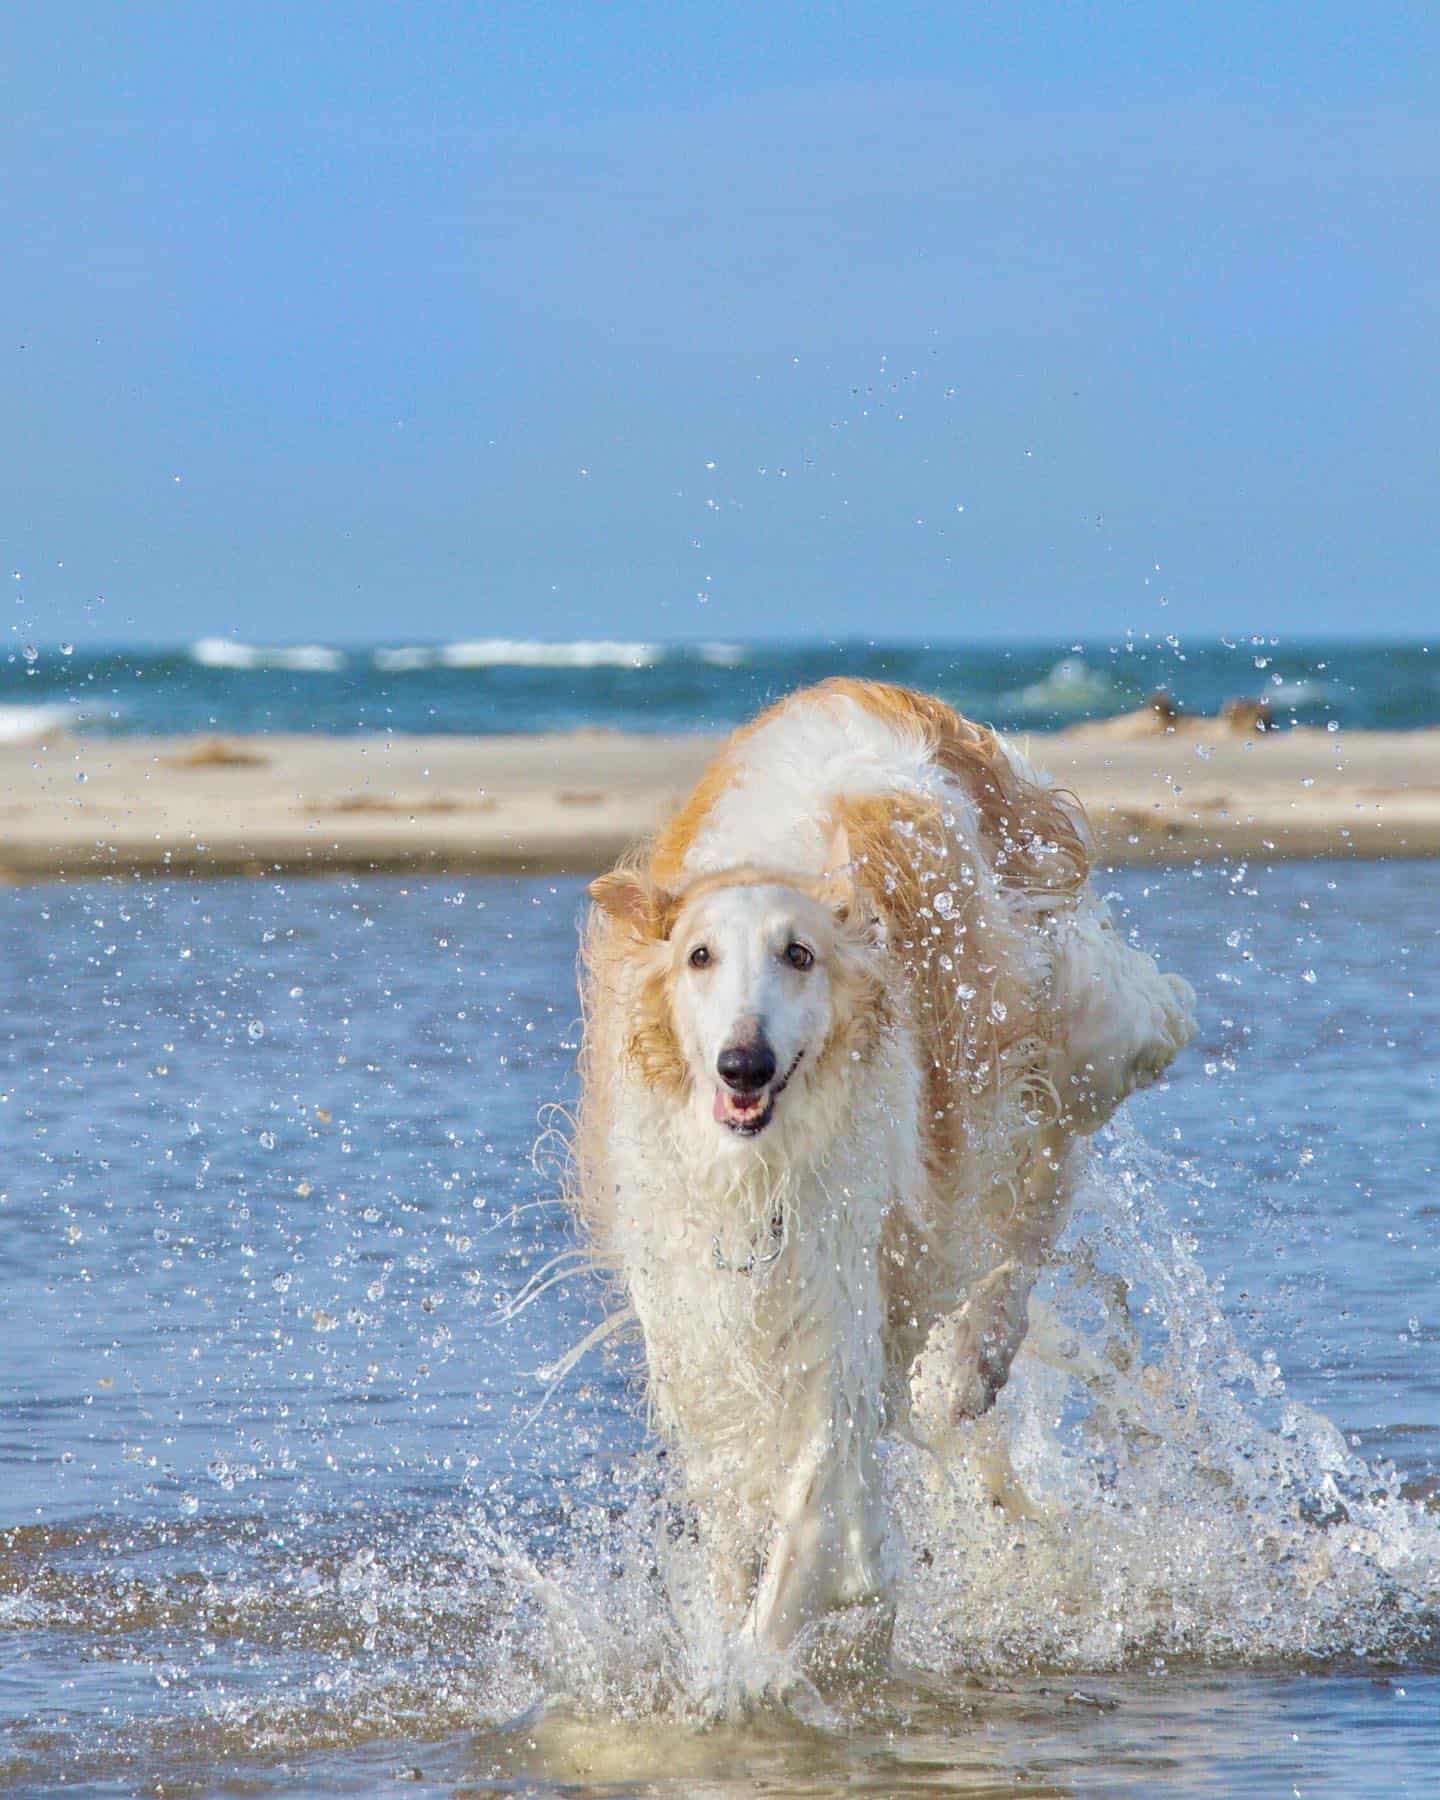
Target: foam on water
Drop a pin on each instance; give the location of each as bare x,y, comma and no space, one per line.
1161,1498
404,659
1171,1501
1070,688
525,653
227,653
28,724
722,656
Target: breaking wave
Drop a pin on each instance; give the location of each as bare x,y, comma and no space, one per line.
469,653
226,653
1289,694
1070,688
527,653
28,724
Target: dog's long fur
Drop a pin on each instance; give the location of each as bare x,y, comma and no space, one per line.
865,1260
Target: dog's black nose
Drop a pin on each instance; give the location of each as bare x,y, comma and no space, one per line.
746,1067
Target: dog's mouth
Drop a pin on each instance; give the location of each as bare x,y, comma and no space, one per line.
747,1115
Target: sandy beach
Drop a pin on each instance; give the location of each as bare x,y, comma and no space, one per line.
83,807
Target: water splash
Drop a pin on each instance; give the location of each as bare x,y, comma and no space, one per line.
1163,1503
1169,1500
1159,1497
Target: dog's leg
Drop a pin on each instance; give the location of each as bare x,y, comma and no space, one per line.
1118,1022
968,1355
827,1551
980,1450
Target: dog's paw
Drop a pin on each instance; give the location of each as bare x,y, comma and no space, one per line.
982,1367
967,1358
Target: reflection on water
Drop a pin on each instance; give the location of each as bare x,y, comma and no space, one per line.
278,1511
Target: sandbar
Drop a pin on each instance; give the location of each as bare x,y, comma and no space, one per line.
80,807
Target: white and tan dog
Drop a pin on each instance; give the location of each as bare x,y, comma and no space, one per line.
843,1023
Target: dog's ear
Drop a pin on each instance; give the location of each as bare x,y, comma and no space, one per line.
632,899
837,884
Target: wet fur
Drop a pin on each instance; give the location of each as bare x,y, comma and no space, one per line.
893,1217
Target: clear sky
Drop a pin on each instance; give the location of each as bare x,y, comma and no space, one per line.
418,320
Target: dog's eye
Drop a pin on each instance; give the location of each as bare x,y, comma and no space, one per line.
700,957
798,956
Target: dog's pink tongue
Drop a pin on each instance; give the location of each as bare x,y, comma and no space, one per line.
731,1106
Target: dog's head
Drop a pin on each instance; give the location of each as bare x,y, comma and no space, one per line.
754,980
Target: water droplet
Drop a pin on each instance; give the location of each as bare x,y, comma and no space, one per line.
255,1030
1310,976
30,653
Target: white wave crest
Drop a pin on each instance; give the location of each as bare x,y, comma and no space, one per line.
1304,692
723,656
1071,686
402,659
533,653
28,724
227,653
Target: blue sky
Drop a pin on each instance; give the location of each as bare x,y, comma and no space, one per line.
425,321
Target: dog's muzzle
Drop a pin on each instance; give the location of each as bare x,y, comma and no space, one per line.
743,1104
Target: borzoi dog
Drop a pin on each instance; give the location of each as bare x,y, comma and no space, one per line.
844,1022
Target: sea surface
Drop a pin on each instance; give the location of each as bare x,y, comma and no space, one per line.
287,1503
512,685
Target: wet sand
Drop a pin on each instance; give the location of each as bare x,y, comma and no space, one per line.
572,802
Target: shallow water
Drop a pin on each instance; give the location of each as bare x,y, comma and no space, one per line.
278,1512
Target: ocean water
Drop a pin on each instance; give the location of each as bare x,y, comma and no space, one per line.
286,1505
509,685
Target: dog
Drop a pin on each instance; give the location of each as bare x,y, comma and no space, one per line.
845,1021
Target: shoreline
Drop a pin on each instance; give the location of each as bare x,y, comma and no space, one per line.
81,808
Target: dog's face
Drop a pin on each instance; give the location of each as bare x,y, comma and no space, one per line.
748,981
751,995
